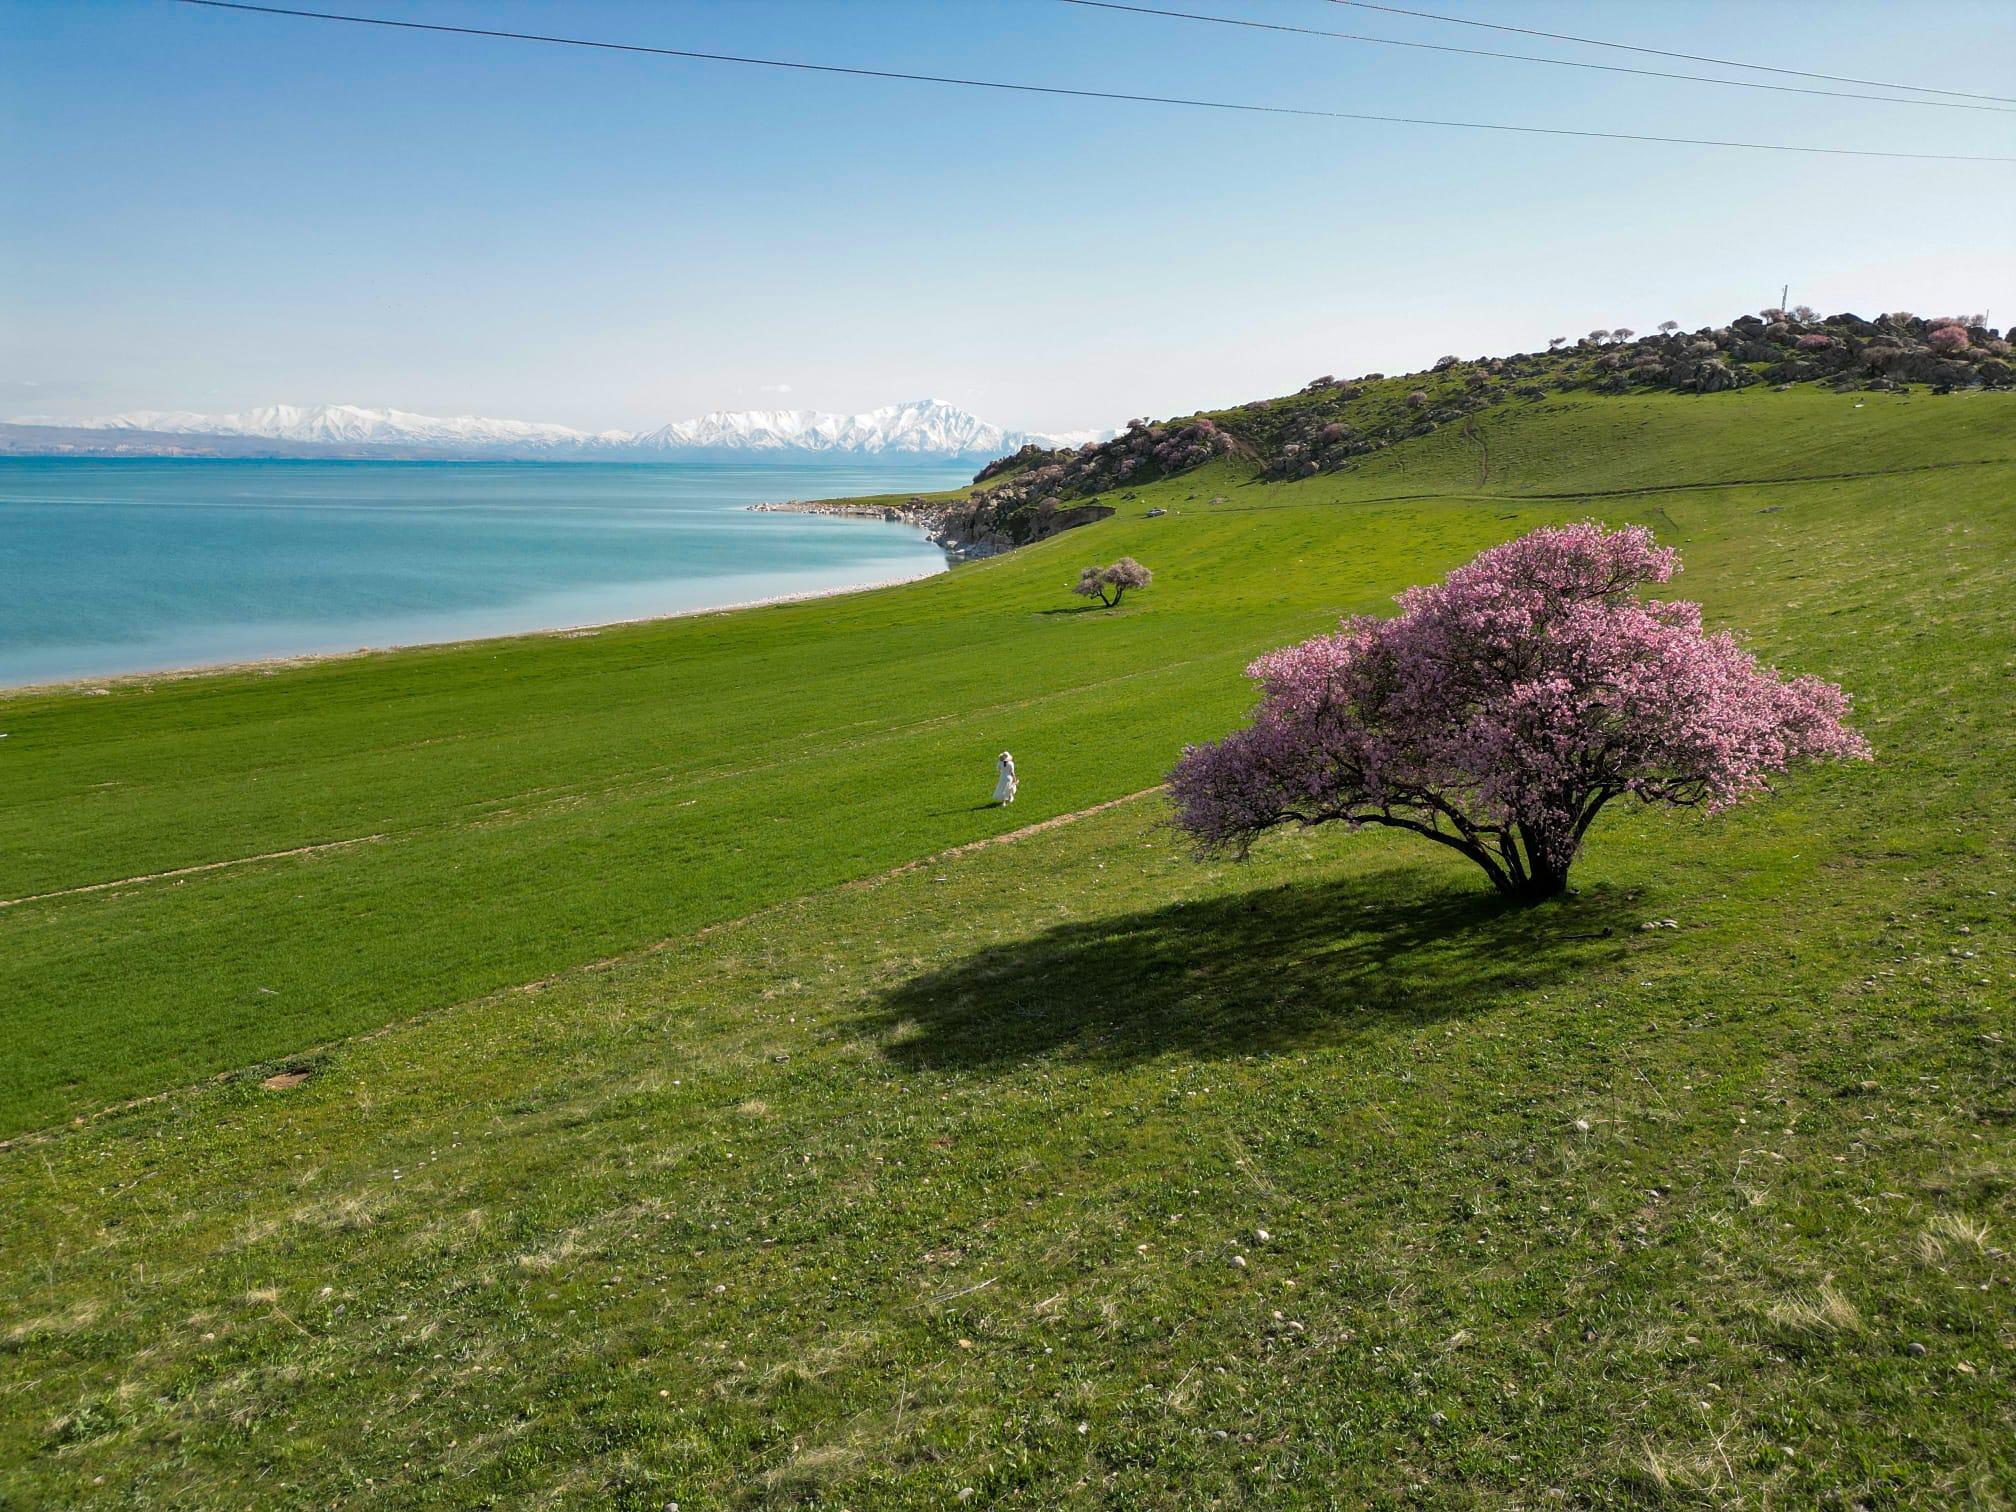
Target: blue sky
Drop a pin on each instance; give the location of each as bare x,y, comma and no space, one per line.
210,210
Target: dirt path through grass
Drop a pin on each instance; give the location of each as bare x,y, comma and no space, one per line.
189,871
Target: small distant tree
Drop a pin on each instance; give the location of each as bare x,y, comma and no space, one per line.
1599,336
1622,333
1804,313
1774,313
1443,364
1417,399
1814,342
1947,338
1504,708
1555,343
1110,584
1668,327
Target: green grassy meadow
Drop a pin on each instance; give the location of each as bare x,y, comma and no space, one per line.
669,1137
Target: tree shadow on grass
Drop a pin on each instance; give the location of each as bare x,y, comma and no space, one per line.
1268,970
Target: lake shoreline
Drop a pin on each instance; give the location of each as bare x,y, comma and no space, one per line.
92,686
143,570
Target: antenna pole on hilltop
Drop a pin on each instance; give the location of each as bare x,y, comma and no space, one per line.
1783,295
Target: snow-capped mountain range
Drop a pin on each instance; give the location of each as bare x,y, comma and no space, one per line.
923,428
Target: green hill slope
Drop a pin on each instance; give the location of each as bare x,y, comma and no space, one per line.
945,1179
455,820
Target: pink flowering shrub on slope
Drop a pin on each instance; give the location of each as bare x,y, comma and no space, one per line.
1502,709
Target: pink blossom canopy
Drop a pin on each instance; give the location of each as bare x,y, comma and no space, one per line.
1503,708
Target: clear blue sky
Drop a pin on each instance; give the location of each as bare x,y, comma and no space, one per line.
210,210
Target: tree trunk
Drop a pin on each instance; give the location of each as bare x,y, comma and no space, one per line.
1542,882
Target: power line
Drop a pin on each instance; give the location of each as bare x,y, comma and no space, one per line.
1797,73
1076,94
1481,52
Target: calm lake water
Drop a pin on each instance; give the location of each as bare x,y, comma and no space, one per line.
135,566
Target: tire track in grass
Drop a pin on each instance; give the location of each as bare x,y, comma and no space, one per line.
312,1052
977,845
189,871
1471,433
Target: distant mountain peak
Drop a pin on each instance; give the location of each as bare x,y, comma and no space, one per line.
914,427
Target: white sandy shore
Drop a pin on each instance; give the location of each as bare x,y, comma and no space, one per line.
91,685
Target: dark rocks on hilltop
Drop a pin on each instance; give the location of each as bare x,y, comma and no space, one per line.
1029,453
1330,423
1715,376
1790,372
1142,454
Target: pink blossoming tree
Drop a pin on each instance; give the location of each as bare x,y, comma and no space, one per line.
1502,709
1110,584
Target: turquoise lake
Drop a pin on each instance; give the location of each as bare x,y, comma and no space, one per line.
109,567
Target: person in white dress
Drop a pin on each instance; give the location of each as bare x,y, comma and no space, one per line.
1004,779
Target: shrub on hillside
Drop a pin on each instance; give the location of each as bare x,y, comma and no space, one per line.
1814,343
1504,708
1947,338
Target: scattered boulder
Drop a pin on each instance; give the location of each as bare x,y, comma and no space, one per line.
1715,377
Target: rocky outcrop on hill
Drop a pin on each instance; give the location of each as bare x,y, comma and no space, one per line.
1141,454
989,523
1331,423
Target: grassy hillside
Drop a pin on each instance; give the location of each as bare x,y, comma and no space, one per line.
956,1177
515,808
